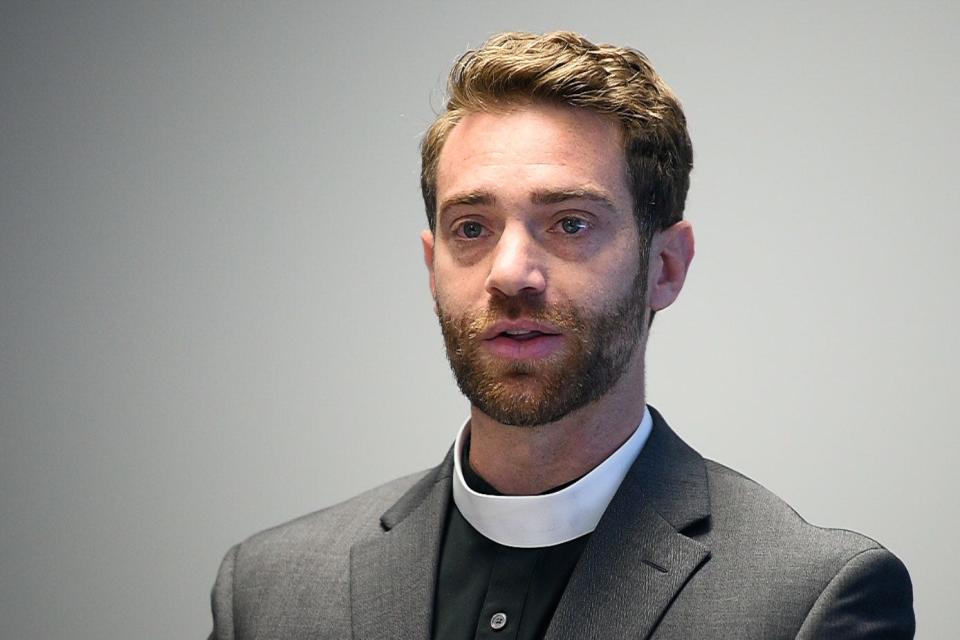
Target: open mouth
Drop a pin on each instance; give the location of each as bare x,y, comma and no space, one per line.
522,335
523,344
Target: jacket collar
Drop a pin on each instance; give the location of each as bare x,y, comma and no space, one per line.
635,563
393,576
638,559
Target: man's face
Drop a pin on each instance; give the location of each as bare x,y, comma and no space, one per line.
535,264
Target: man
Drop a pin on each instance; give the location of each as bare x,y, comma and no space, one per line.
554,185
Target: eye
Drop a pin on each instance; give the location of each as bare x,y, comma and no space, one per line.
572,226
470,230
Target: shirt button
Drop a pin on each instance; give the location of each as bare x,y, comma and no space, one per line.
498,621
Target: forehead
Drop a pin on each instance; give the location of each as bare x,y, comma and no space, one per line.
533,147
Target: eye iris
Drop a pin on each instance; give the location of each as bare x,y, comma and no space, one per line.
472,230
572,225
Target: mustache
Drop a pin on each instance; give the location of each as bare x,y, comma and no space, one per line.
563,317
513,307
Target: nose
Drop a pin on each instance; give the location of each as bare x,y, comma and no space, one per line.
517,265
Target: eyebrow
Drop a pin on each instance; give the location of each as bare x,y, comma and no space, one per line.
556,196
483,198
538,197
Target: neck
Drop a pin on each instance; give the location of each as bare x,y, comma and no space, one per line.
531,460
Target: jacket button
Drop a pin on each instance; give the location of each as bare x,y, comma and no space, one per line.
498,621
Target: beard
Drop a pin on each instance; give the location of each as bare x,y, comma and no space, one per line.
597,350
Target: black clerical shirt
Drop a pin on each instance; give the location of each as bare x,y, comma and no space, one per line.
488,590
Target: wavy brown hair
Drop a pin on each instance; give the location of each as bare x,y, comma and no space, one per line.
516,68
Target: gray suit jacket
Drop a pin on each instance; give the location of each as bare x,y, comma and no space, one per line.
687,549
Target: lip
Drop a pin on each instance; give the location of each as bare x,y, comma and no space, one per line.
547,343
502,326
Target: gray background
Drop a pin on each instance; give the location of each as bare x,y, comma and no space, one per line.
214,315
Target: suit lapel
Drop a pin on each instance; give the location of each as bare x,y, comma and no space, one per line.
393,576
637,560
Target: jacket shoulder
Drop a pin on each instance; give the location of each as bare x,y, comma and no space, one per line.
830,582
265,581
740,506
330,528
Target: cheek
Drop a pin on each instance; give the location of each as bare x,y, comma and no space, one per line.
454,293
454,275
595,287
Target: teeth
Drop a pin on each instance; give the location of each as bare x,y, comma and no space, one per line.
517,332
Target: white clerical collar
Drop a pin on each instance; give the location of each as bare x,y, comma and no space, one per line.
552,518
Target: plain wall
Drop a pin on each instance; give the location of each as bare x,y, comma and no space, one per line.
214,314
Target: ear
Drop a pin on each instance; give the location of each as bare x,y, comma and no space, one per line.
670,256
426,237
